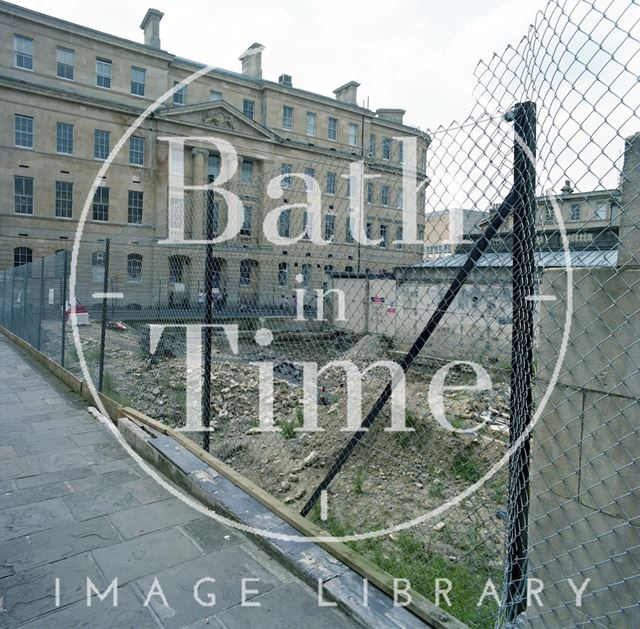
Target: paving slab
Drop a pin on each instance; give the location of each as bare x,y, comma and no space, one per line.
54,544
152,517
30,518
74,506
224,572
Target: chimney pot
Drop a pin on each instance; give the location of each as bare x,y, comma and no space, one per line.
151,27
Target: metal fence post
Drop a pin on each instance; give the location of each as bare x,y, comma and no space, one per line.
521,403
103,329
208,320
23,331
63,299
41,308
13,279
4,296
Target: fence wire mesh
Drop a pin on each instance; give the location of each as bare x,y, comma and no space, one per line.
566,504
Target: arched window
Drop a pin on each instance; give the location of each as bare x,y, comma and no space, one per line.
134,267
22,255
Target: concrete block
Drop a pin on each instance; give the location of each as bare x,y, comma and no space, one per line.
604,301
610,478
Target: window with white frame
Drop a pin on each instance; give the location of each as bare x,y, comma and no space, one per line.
138,81
64,138
24,131
283,273
401,152
136,150
180,94
372,145
312,123
306,275
23,52
369,191
103,73
22,255
284,224
215,95
576,212
384,236
134,267
101,140
135,203
353,134
64,199
64,63
332,129
400,200
309,172
287,117
97,267
386,148
23,194
245,272
286,181
248,107
331,183
247,171
384,196
247,218
101,204
329,226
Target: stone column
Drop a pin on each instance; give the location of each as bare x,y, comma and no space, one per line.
196,212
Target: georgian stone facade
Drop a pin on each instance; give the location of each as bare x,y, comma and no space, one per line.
69,94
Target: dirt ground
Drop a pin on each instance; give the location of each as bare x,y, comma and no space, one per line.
390,477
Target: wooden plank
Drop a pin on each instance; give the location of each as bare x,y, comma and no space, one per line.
420,606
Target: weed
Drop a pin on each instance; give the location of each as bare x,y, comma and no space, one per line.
358,482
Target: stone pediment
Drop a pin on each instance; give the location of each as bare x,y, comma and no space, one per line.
219,116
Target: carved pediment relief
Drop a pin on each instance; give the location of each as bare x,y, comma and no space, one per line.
218,118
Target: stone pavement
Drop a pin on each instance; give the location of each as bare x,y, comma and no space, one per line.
74,507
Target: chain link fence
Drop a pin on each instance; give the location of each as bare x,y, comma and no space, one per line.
513,317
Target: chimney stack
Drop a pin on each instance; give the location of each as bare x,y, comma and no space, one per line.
151,27
393,115
347,93
252,61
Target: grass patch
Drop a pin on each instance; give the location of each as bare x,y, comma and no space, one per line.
358,482
467,465
288,427
408,558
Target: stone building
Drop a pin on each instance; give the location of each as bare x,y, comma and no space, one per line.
70,93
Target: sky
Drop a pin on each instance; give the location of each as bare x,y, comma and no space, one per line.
417,55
